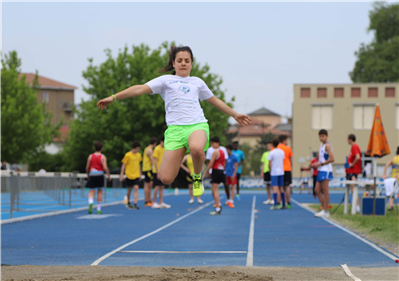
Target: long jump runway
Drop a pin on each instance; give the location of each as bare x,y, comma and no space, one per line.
186,235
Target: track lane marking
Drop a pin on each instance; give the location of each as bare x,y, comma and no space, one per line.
389,255
250,255
149,234
349,273
185,252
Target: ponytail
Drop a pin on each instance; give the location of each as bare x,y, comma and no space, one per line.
172,56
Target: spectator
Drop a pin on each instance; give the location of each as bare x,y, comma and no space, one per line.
42,170
4,165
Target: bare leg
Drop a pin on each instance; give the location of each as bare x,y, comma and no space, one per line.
269,196
190,190
196,142
161,188
170,165
319,193
136,194
288,193
232,191
324,186
128,193
215,192
146,187
156,188
91,193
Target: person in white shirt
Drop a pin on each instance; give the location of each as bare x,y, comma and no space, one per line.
42,170
325,174
188,130
276,160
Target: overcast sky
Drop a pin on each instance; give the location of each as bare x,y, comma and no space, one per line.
260,49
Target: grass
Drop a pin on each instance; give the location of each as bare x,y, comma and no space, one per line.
382,228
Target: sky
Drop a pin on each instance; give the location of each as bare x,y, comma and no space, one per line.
259,49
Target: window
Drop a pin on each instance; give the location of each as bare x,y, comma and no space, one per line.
322,117
389,92
363,116
397,116
373,92
305,92
321,92
355,92
45,97
338,92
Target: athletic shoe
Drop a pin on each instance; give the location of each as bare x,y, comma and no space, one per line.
155,205
164,206
199,201
90,208
322,213
191,201
227,202
148,204
279,206
214,213
230,204
129,206
135,207
274,208
99,212
198,188
267,202
289,206
238,197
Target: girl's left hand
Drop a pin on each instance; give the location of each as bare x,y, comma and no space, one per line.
243,119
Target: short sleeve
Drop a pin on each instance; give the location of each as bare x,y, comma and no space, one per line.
262,160
156,85
290,154
204,93
270,156
140,158
125,159
242,155
209,154
155,154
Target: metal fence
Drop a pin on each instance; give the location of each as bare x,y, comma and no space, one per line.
46,192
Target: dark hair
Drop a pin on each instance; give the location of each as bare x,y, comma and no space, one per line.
323,132
268,142
397,151
282,138
136,144
98,145
235,142
275,142
162,138
172,57
215,139
153,140
229,146
352,137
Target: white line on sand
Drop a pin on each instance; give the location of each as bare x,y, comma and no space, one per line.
185,252
149,234
250,255
389,255
349,273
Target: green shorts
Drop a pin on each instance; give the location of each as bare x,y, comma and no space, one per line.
176,136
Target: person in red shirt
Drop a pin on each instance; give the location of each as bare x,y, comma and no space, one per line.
315,172
354,163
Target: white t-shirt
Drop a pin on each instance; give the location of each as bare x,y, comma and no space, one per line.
181,96
277,157
323,157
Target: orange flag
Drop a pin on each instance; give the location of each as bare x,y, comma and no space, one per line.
378,144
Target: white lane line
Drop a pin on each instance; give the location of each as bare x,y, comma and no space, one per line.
389,255
250,255
349,273
149,234
185,252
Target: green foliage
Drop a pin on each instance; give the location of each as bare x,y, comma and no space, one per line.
42,159
132,119
253,154
379,61
24,129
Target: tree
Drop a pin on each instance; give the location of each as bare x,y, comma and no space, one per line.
379,61
132,119
24,129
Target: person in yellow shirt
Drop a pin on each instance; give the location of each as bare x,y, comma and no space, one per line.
189,169
131,168
158,185
395,173
149,170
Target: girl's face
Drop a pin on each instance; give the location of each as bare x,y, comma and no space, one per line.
183,64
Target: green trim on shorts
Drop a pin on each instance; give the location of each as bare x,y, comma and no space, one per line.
176,136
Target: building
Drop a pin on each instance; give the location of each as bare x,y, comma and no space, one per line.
59,99
264,121
342,109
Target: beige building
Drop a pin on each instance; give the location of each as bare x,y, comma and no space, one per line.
264,121
342,109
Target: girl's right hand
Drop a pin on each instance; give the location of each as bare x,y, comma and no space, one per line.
102,104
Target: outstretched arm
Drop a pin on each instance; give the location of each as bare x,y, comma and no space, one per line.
243,119
130,92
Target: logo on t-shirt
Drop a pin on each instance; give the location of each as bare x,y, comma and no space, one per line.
185,89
